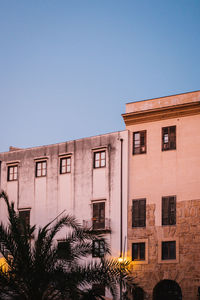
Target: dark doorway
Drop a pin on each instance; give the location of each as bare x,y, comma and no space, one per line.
138,294
167,290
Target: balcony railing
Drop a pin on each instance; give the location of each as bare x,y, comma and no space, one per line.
93,224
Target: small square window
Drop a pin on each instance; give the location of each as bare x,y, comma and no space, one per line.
138,251
98,248
168,138
99,159
169,210
65,165
41,168
168,250
12,173
139,142
139,213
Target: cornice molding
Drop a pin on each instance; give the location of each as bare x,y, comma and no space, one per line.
163,113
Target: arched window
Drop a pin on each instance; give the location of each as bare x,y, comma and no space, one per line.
167,290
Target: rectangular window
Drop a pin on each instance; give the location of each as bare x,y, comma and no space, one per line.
99,215
168,138
65,165
41,168
63,250
139,213
25,217
98,248
99,159
98,289
169,250
169,210
139,142
138,251
12,173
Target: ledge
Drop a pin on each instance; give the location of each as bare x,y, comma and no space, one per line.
163,113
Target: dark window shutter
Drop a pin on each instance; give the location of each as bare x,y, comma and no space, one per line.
139,213
99,215
95,215
135,251
165,210
172,137
143,142
102,215
138,251
169,250
25,216
142,213
135,213
172,208
169,210
142,251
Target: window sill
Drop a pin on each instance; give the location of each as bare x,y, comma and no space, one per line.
168,261
102,230
140,262
164,150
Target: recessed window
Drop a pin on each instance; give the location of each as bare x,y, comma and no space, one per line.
99,159
138,293
169,138
168,250
139,142
63,250
169,210
25,217
139,213
98,248
138,251
12,173
98,215
98,289
65,165
41,168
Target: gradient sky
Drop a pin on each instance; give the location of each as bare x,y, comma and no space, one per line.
67,67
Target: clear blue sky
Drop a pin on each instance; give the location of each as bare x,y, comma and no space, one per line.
67,67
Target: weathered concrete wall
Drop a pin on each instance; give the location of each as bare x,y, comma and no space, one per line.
72,192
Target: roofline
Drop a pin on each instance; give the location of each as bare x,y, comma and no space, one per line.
48,145
163,97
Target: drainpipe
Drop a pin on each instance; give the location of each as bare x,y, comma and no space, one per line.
0,175
121,214
121,197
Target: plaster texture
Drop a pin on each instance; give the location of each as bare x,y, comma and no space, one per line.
156,174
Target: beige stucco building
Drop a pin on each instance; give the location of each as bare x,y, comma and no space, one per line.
139,187
86,178
164,196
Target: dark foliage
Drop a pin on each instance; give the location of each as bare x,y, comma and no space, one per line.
37,271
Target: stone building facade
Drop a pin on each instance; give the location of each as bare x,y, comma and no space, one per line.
164,196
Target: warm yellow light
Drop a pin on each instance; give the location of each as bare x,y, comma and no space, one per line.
3,264
120,260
